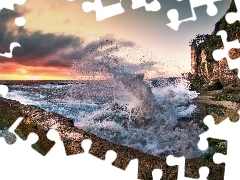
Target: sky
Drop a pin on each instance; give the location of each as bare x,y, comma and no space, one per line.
59,39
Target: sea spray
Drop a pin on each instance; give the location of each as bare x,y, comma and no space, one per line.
140,115
118,124
109,110
125,108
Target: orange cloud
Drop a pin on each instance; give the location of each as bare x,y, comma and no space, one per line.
13,71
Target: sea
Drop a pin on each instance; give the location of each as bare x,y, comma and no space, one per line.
112,111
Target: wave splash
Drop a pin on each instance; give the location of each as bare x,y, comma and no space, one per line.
155,120
149,118
126,109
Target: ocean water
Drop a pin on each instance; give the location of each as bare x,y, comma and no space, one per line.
152,117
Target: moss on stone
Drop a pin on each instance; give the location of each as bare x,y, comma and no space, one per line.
234,97
215,146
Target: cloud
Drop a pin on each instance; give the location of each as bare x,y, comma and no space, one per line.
47,49
105,45
39,49
34,45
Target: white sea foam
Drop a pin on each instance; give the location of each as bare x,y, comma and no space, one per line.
25,97
154,139
85,104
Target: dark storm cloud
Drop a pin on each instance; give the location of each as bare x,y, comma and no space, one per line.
34,45
56,63
102,47
48,49
38,45
6,36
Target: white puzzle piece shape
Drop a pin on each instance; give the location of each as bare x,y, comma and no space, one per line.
3,90
229,131
101,168
9,4
19,21
180,162
157,174
153,6
232,17
173,14
67,167
103,12
223,53
9,54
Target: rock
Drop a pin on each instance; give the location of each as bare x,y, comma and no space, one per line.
72,137
206,73
231,88
213,75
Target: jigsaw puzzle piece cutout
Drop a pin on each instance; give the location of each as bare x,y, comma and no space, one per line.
132,169
84,157
21,152
131,172
153,6
180,162
8,134
43,145
22,146
86,145
232,17
58,149
173,14
157,174
14,156
218,131
226,130
224,53
19,21
110,157
12,46
219,158
101,11
9,4
3,90
210,123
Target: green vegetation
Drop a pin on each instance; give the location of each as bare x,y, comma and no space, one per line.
234,97
215,146
197,82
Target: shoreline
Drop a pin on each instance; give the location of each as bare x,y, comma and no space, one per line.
219,109
39,121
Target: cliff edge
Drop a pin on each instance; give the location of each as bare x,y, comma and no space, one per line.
206,73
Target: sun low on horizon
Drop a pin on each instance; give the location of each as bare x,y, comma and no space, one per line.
13,71
58,33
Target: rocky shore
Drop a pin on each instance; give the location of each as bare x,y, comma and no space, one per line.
206,73
39,121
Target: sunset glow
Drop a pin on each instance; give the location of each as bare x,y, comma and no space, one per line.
13,71
59,32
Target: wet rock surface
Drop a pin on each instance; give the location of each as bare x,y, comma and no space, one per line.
39,121
206,73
